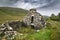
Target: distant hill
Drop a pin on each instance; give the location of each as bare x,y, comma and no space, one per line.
7,13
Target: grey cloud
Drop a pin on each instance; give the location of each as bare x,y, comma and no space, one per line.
7,2
43,6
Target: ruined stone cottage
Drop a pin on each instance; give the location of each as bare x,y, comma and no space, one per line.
34,19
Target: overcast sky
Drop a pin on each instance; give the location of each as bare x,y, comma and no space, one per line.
45,7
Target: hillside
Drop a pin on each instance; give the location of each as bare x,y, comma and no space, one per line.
7,14
51,32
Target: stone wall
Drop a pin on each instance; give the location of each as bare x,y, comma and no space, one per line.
38,19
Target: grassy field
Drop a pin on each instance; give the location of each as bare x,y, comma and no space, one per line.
7,14
51,32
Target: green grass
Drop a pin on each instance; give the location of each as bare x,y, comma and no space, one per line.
7,14
51,32
44,34
30,34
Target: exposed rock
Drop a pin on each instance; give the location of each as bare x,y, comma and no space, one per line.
10,35
12,25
